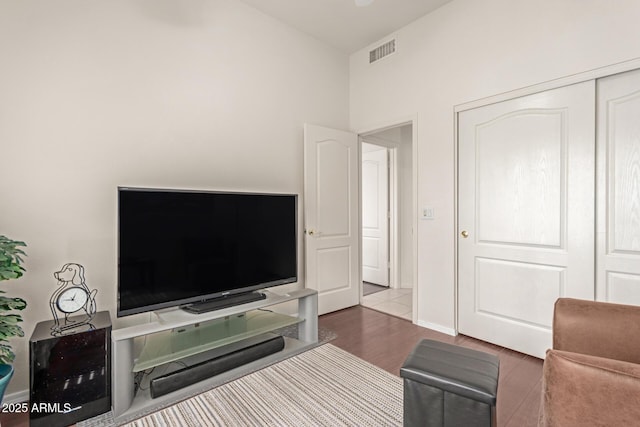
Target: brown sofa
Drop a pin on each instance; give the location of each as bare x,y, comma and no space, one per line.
591,377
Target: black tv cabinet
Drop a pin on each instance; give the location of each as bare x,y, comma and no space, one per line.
70,374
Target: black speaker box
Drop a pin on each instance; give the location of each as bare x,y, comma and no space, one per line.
201,371
70,375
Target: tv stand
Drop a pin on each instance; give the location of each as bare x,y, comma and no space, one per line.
223,302
186,338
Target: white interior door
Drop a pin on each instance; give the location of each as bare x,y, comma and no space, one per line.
331,215
375,214
526,214
618,227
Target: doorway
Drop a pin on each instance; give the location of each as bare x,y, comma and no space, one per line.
387,200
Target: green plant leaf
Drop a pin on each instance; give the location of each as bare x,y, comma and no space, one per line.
6,354
11,319
11,258
8,331
10,272
7,304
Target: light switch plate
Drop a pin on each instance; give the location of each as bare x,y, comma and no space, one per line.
428,213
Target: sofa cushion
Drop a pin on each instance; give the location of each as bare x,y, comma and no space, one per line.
580,389
597,328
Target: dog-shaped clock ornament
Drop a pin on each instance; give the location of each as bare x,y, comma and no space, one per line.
72,296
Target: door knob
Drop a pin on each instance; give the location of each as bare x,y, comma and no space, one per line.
464,234
310,232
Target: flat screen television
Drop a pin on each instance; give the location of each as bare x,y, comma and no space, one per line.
202,250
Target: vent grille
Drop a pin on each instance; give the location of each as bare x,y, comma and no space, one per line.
382,51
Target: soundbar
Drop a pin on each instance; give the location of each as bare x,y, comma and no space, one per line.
223,302
184,377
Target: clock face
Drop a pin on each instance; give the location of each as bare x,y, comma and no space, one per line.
72,299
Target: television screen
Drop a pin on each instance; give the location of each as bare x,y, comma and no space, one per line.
180,247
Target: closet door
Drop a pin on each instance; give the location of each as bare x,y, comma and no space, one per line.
618,224
525,213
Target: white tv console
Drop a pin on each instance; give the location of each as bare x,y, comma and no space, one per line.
178,336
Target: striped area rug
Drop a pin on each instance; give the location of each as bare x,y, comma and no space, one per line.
325,386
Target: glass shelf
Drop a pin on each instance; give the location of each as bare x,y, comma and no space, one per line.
169,346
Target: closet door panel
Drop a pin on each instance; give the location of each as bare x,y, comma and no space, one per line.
526,206
618,219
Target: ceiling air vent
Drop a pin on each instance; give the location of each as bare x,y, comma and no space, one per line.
381,51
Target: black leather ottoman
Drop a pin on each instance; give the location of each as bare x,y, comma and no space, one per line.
448,385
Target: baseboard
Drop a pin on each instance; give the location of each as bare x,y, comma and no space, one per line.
436,327
16,397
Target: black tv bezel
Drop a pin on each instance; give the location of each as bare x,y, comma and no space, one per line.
179,303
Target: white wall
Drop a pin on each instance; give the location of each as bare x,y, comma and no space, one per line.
466,50
165,93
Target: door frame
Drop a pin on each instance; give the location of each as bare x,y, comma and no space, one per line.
363,133
593,74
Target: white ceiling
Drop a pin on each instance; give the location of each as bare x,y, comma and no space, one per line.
340,23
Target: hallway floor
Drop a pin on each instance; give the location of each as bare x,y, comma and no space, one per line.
396,302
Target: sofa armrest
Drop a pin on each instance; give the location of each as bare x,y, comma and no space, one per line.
597,328
581,390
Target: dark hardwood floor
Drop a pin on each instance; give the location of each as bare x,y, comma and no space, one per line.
386,341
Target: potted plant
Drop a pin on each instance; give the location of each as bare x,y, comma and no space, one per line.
10,268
